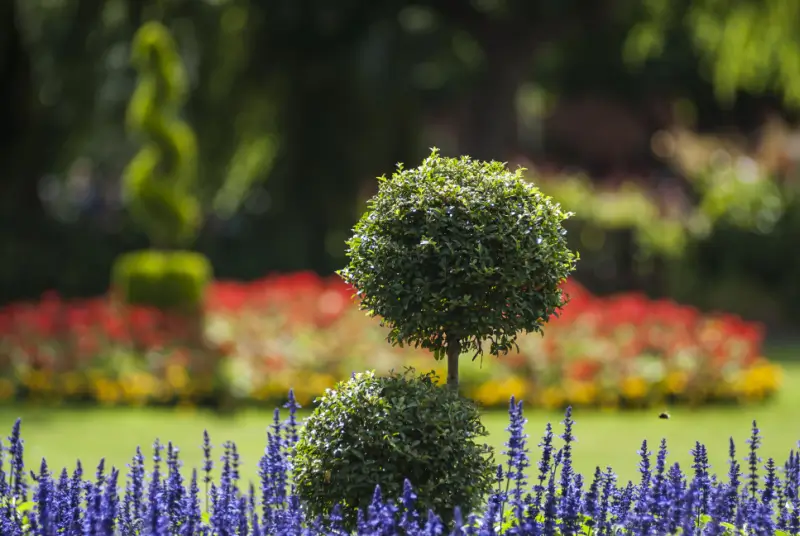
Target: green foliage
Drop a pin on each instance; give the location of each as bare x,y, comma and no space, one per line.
164,279
372,430
459,250
158,181
731,42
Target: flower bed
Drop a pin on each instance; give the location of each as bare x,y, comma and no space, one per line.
166,501
624,351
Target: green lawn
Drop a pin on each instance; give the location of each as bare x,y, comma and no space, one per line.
63,435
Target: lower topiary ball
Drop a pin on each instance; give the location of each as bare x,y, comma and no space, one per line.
374,430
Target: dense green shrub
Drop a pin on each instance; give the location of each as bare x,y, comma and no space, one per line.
164,279
456,252
381,430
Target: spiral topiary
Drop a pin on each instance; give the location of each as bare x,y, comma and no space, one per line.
159,181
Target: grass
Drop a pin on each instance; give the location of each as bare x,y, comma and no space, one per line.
604,438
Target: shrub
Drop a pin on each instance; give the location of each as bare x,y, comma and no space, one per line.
163,279
456,252
163,499
382,430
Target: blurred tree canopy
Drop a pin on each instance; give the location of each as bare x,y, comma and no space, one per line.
298,104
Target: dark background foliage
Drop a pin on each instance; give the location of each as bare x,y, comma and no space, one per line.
304,103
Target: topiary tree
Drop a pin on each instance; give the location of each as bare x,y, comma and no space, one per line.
160,179
372,430
458,252
158,183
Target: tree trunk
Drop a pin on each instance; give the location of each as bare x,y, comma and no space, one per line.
453,353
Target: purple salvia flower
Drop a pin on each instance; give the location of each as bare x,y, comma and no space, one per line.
191,506
208,463
568,504
100,473
490,517
643,517
154,495
591,501
761,514
62,514
235,463
545,462
676,489
136,490
241,517
92,513
688,511
550,501
95,497
45,500
336,521
226,498
622,504
754,460
433,525
110,505
17,483
458,522
173,489
734,481
790,489
517,454
603,521
75,498
658,502
291,429
410,517
700,467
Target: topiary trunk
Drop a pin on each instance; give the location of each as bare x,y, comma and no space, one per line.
453,353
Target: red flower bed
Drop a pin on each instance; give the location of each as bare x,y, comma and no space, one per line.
303,331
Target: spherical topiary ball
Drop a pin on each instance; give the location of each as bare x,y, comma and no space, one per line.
459,250
373,430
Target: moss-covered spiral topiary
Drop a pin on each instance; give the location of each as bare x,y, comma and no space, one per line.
381,430
456,252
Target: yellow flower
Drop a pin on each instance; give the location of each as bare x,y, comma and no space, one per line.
177,377
552,397
676,381
107,391
634,387
137,388
487,393
581,392
36,381
766,376
6,389
758,381
72,383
